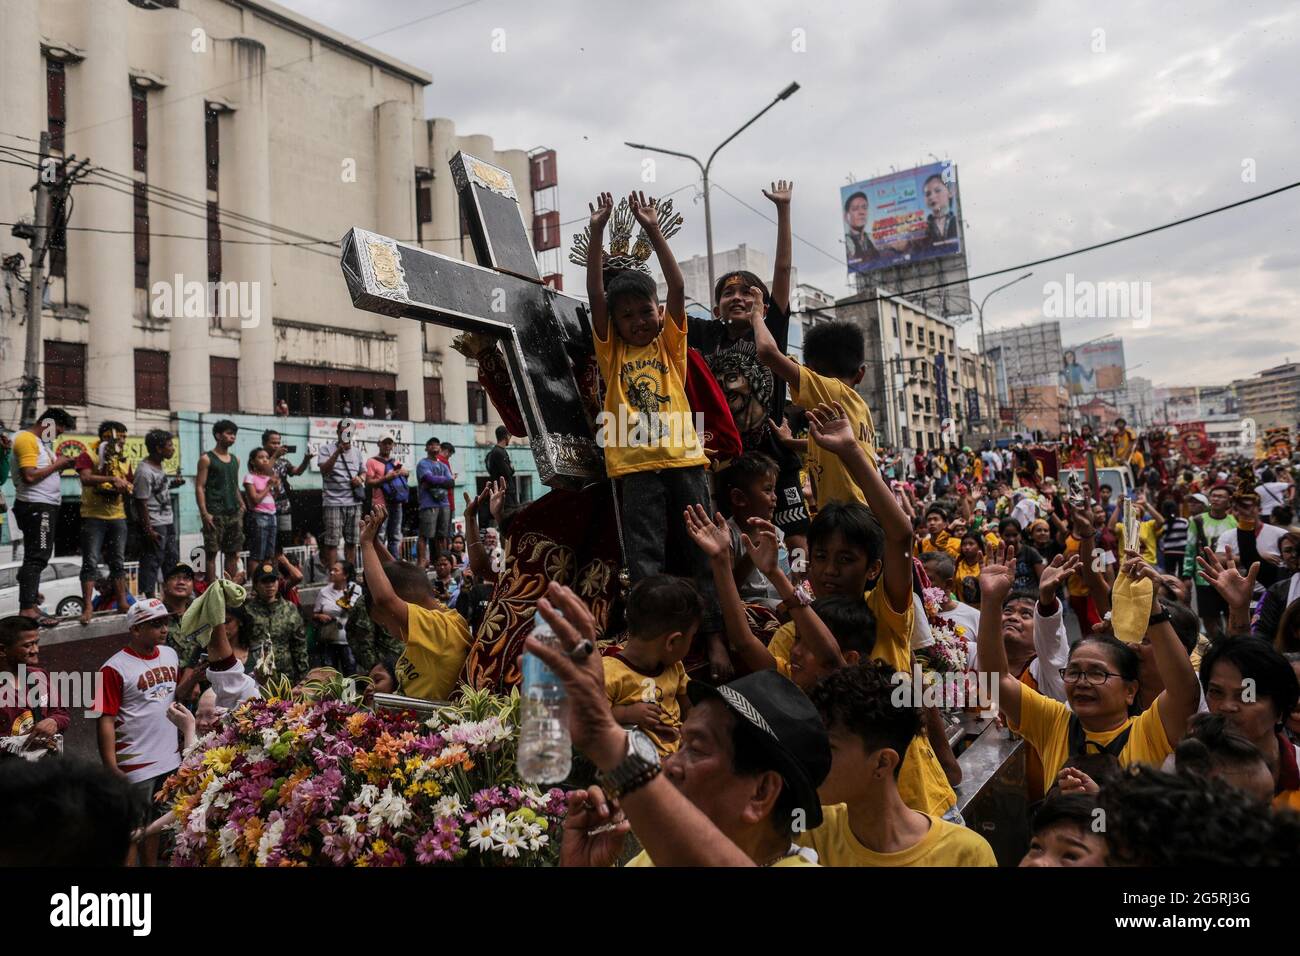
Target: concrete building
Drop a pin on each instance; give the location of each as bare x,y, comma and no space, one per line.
913,378
804,298
234,142
978,416
1272,397
1027,363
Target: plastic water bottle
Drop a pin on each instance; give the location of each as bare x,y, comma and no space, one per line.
545,749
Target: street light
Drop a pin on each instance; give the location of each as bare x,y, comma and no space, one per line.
704,167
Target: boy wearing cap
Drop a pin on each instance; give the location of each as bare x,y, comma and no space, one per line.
177,595
386,480
865,821
278,633
136,739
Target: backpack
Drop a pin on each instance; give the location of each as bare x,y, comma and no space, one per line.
396,490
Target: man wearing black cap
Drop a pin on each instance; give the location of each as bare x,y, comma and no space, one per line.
743,781
278,633
177,594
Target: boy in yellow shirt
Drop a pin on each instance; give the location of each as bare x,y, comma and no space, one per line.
835,363
645,681
871,722
401,601
647,429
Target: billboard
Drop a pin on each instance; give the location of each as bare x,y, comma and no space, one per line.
902,218
1093,367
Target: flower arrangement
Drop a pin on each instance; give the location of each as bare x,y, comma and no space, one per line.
950,652
311,778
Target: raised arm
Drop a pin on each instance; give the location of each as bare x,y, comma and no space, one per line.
1051,644
762,544
1236,588
600,212
780,195
995,584
1182,694
386,609
646,213
769,353
830,428
480,562
712,537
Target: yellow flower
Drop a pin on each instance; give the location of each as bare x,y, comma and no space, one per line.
379,847
219,759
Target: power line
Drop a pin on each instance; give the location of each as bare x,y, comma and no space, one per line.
1062,255
834,258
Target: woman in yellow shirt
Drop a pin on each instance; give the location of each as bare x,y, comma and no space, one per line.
1101,685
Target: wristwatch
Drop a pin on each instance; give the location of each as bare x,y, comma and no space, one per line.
1160,617
636,769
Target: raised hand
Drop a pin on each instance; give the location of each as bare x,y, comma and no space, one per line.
1081,522
1073,780
496,498
830,427
1056,572
644,210
601,210
781,192
1136,568
1226,579
998,574
762,545
711,536
372,523
474,502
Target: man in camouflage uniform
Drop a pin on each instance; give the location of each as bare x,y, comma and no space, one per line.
370,642
278,632
177,594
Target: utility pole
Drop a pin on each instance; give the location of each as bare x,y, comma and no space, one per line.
35,287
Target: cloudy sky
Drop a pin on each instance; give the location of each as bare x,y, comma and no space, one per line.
1071,123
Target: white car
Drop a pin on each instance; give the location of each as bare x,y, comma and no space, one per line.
60,585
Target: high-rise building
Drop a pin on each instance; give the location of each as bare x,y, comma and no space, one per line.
744,258
1271,398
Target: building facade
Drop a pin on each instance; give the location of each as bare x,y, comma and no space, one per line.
979,412
912,382
1272,397
232,142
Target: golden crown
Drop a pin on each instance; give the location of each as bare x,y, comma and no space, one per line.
622,252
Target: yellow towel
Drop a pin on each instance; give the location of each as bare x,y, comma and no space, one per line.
1130,607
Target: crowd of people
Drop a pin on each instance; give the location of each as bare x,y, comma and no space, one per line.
756,698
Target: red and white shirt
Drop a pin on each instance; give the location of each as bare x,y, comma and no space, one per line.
137,691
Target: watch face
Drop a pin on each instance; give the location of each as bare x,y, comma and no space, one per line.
643,747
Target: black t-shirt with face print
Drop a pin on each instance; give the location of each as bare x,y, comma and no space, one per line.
753,393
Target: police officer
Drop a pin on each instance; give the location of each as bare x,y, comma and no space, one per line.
278,631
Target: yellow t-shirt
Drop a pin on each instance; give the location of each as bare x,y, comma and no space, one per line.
1146,537
626,685
942,542
648,384
1045,724
94,504
27,449
921,781
794,859
830,479
437,643
946,844
1074,586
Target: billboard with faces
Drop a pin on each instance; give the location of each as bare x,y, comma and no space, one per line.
901,218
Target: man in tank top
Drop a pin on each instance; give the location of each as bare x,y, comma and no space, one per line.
221,507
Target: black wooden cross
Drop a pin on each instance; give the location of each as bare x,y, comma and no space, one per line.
543,331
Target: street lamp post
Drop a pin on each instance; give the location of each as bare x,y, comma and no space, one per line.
704,168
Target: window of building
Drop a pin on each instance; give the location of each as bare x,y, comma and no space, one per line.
927,405
56,103
65,373
477,403
224,376
139,129
214,243
141,203
433,407
152,386
909,331
942,347
932,338
212,143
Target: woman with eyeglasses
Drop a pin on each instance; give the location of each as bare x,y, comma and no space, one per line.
1101,686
